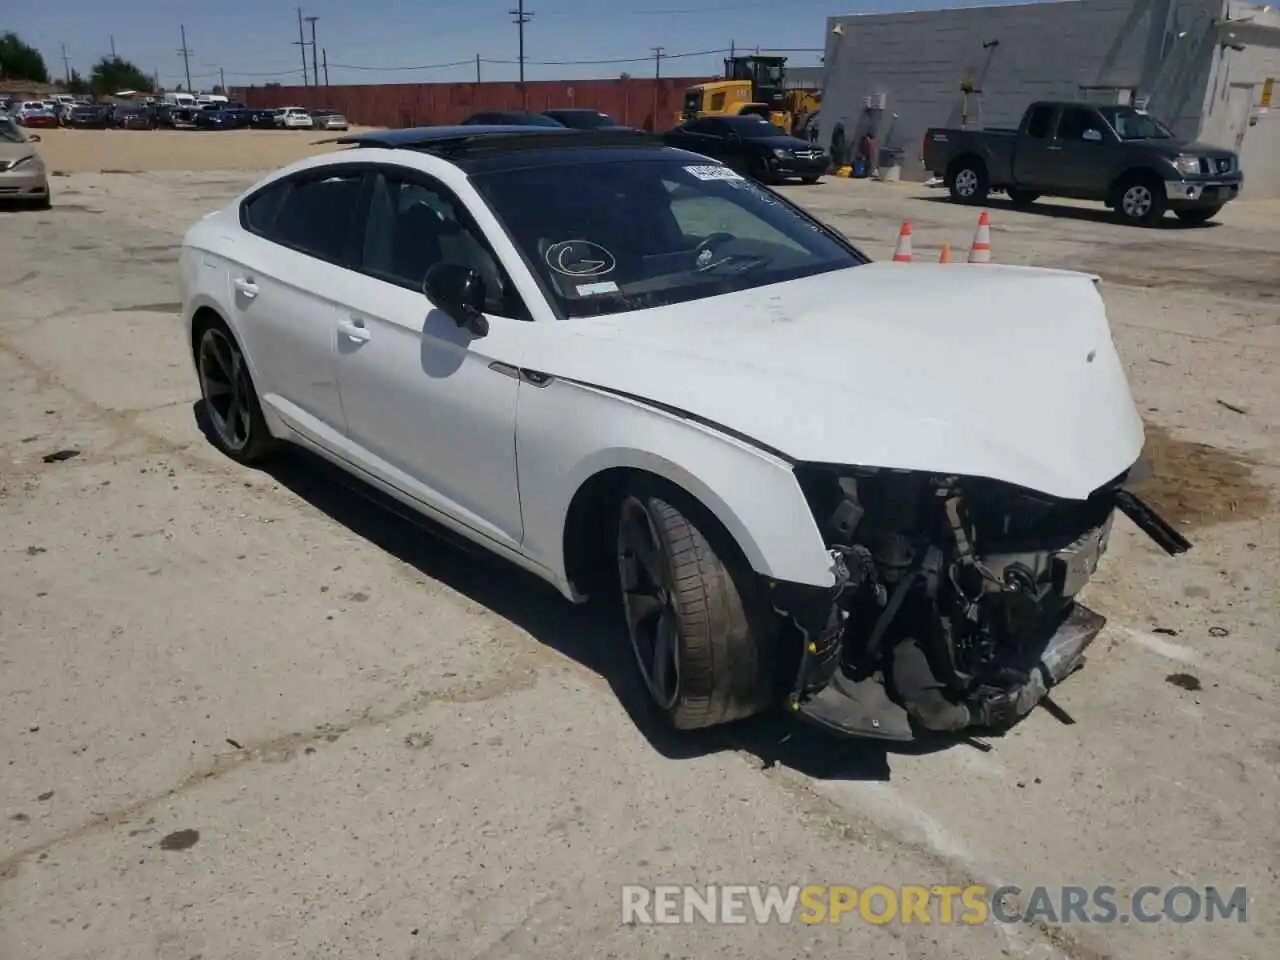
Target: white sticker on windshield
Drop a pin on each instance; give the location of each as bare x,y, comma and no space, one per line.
713,172
592,289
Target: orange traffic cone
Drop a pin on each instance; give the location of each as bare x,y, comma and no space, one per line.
945,256
902,252
980,252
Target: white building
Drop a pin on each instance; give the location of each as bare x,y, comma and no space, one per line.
1204,67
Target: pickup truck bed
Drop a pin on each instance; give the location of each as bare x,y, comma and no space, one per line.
1108,153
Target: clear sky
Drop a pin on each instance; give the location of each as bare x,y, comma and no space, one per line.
369,41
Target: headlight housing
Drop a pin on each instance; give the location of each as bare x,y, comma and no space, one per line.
781,154
1186,164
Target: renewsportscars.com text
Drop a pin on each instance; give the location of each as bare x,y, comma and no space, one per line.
939,904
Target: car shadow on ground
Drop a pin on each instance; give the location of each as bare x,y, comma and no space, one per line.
593,634
1064,212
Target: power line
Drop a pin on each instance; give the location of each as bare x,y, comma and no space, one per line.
657,62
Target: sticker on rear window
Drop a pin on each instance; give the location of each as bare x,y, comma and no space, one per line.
713,172
594,289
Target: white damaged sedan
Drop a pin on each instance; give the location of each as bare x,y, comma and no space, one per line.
866,492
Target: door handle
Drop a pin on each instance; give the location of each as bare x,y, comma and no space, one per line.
354,329
246,286
1053,147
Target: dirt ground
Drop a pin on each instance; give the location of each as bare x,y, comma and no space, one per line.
244,714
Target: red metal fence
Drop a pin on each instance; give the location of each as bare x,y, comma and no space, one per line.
647,103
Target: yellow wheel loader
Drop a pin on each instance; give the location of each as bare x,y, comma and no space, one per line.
752,84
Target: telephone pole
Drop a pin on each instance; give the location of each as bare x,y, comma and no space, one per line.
657,61
522,16
66,65
324,61
477,68
222,81
185,52
315,71
112,38
302,45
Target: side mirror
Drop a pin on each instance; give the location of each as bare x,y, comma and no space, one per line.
1093,136
459,291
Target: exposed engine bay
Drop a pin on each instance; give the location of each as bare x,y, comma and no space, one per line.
955,604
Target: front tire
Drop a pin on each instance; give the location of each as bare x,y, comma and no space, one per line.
1140,201
228,399
701,636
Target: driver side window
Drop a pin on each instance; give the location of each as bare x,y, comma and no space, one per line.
414,225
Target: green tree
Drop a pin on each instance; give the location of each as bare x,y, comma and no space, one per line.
77,84
21,61
113,74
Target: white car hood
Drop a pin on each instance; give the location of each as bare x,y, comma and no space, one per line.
1002,372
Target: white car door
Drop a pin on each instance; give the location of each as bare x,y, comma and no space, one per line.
431,406
284,281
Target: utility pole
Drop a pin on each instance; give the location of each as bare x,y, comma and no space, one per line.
315,69
657,61
302,45
112,38
477,68
222,80
324,60
522,16
185,53
66,65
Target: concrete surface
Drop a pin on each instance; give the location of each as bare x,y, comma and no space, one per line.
244,714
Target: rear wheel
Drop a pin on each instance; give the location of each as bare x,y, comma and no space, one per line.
702,638
236,424
1198,214
1140,200
968,182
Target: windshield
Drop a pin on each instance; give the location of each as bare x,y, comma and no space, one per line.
617,236
752,127
1130,124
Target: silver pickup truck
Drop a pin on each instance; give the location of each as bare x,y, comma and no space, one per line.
1113,154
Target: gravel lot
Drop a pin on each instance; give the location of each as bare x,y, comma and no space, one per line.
247,715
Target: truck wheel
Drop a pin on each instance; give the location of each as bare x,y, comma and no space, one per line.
1140,200
1197,214
701,635
967,180
1023,198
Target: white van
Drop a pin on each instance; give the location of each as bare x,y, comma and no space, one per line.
180,99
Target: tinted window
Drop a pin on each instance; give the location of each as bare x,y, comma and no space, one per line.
751,127
259,213
1038,124
1074,121
316,216
1131,124
614,236
413,225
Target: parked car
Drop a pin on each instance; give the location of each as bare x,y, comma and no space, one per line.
1108,153
213,117
581,118
90,116
34,113
510,118
23,178
138,116
752,145
264,119
293,118
328,120
639,362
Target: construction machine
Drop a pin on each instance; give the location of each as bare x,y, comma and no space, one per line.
753,84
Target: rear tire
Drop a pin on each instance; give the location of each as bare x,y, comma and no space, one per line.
1197,215
968,181
703,638
229,401
1140,200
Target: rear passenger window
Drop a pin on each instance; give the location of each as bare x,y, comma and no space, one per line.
260,213
1039,121
317,216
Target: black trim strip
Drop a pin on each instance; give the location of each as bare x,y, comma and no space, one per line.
687,415
506,369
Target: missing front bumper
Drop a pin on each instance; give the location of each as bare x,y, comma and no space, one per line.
864,708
